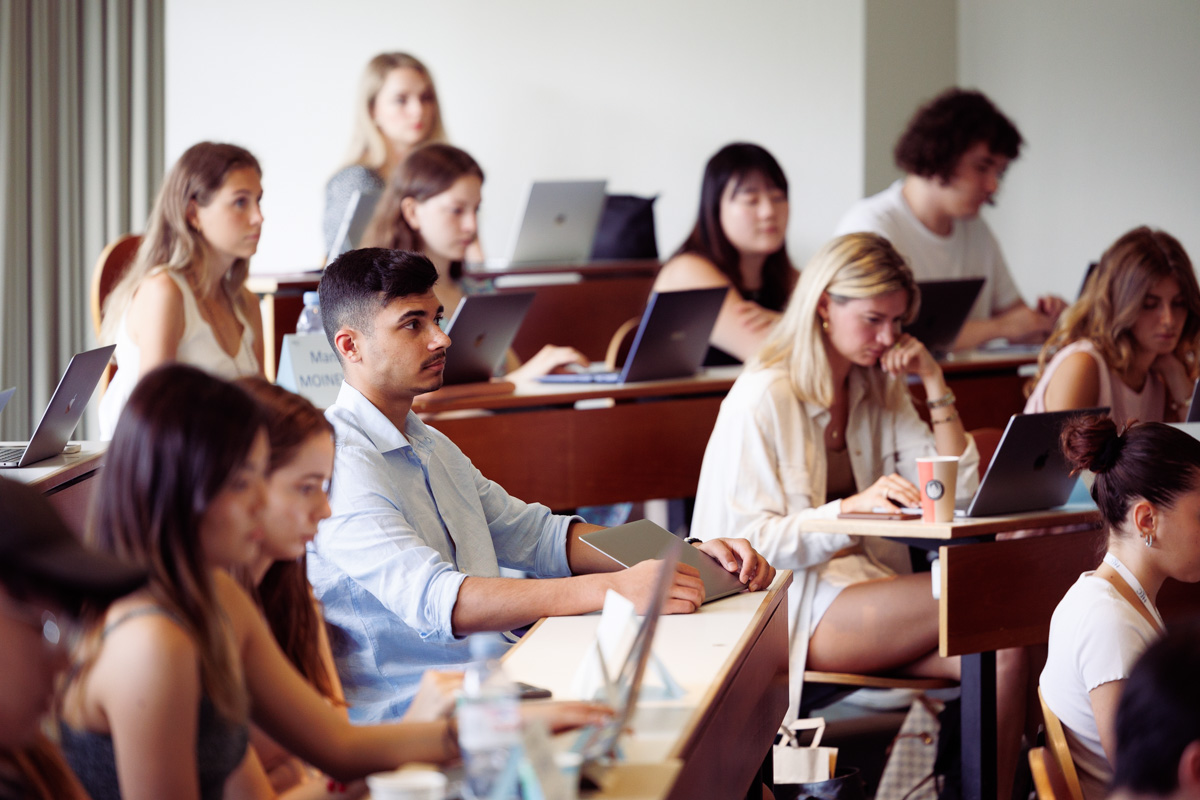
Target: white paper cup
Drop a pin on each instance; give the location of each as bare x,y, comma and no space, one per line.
936,478
407,784
569,763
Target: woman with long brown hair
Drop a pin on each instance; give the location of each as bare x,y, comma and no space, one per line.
185,297
167,683
430,206
1131,341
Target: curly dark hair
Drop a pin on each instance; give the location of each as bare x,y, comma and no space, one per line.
950,125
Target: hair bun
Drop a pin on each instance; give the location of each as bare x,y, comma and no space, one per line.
1092,443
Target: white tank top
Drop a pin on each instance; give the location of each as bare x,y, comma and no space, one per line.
198,347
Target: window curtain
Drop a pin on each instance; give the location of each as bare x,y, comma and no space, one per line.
81,156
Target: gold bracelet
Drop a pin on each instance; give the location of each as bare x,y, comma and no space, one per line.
945,400
950,418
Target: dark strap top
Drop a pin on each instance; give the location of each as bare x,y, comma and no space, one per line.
716,357
220,745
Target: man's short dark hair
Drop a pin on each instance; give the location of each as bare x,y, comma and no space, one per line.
1159,714
950,125
360,282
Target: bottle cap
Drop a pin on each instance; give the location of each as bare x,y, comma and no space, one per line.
311,298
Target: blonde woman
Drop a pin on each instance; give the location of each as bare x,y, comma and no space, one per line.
821,422
1130,341
396,110
185,297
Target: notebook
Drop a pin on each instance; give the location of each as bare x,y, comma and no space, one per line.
670,342
1028,471
641,541
66,407
481,331
945,306
558,223
354,223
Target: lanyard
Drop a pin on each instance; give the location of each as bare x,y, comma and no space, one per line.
1132,583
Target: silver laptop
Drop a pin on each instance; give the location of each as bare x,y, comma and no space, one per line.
65,410
558,223
481,331
354,223
670,342
641,541
1028,471
5,396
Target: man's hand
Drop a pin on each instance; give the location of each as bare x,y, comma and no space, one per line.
738,556
637,584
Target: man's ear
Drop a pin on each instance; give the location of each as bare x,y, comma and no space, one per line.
347,344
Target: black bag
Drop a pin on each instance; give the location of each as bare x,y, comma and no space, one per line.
844,785
626,229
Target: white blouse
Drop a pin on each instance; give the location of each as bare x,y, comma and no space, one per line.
764,473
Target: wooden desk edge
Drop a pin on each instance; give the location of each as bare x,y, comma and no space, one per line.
776,594
959,529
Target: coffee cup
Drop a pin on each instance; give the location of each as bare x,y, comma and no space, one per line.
936,478
407,784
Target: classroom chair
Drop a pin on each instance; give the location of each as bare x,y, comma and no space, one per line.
1056,744
986,440
116,257
1048,780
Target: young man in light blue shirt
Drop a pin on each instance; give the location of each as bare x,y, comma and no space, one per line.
408,564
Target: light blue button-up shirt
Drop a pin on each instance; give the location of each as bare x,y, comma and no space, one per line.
412,517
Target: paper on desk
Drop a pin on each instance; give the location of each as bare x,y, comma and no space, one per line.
598,673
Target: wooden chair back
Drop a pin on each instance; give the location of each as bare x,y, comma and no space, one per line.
110,267
1048,780
1056,744
986,440
619,344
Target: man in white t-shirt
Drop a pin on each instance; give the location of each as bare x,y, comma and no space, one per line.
954,154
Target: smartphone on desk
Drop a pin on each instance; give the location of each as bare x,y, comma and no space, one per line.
528,691
880,515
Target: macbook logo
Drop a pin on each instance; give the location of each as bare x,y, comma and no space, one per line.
560,219
1040,461
479,340
71,403
678,336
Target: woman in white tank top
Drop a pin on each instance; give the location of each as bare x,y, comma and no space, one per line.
1131,340
184,299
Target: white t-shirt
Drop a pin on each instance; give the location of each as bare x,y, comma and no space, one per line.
970,251
1095,638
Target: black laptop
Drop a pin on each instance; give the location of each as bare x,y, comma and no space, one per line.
945,306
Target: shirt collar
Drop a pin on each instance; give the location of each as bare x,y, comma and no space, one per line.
377,427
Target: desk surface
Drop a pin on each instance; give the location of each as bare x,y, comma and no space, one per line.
54,472
730,658
960,528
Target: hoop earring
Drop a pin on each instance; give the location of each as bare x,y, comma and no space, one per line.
1149,539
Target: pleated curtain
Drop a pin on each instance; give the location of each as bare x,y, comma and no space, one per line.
81,155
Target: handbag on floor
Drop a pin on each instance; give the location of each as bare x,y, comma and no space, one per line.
909,773
803,772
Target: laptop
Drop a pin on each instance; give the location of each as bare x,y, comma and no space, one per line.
481,331
598,744
641,541
558,223
945,306
670,342
1028,471
66,407
5,396
354,223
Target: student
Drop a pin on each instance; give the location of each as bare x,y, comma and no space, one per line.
408,564
738,241
430,206
819,423
1129,339
169,679
396,110
954,155
49,582
1147,486
1158,722
185,297
298,475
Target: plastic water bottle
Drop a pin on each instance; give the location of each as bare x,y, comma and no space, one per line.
310,317
489,722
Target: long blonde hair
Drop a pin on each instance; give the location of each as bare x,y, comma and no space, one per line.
850,267
1112,298
171,241
368,147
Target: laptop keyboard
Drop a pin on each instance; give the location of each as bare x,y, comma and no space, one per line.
11,453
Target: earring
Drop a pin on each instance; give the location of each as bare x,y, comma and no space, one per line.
1149,539
825,325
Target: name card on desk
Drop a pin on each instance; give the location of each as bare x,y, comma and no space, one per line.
309,367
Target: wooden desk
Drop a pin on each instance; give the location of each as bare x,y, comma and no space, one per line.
66,481
730,657
280,299
989,386
633,442
993,595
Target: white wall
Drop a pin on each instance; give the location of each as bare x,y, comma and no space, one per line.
641,93
1105,94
